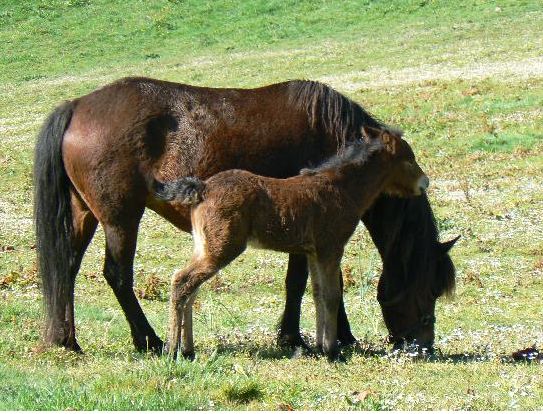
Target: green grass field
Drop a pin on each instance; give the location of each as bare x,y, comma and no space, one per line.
464,79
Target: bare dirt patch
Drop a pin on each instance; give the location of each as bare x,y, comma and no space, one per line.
381,77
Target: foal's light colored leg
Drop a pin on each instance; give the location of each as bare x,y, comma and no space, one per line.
184,287
331,294
326,273
316,283
176,311
187,332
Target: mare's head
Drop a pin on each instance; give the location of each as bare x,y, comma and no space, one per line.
405,178
417,268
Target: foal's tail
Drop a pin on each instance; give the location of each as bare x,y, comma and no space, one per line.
188,190
53,221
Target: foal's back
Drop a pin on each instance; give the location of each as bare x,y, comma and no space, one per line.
289,215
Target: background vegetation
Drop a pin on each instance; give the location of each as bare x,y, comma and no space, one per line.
465,81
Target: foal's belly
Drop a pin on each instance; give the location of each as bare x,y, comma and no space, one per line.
303,247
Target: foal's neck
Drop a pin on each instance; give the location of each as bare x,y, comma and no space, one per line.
362,183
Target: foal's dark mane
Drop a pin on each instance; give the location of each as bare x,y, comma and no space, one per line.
356,153
339,117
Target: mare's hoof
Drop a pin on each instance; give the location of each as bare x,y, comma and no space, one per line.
292,342
347,340
150,344
189,356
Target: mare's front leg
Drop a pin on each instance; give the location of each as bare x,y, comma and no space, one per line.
119,273
344,333
295,284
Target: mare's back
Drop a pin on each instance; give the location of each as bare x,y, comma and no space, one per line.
188,130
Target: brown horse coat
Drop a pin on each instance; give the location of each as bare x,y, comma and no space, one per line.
96,154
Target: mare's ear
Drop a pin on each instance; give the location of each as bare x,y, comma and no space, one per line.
448,245
371,133
389,141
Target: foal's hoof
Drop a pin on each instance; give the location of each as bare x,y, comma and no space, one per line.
167,351
300,352
156,347
72,345
336,357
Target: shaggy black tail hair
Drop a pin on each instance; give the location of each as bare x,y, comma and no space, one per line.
188,190
53,222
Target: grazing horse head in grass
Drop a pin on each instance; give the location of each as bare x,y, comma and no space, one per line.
417,268
313,214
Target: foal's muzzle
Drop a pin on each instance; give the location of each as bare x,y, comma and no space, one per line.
424,183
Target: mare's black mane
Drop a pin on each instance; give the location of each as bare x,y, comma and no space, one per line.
326,108
404,228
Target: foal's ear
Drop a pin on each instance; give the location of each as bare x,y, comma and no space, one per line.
371,133
389,141
448,245
307,171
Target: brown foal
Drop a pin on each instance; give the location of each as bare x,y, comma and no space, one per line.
314,214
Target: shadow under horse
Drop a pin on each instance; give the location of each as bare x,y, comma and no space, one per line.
96,154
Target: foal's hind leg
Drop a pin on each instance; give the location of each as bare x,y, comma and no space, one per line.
295,283
118,271
185,284
214,248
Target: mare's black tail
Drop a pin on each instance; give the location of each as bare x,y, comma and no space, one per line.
188,190
53,221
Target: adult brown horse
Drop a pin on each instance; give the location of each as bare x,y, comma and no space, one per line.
96,155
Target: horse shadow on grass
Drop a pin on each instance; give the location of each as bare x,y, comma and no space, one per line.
271,351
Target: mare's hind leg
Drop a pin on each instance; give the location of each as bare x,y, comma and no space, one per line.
84,224
295,283
118,271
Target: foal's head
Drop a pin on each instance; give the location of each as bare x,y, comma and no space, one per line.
405,177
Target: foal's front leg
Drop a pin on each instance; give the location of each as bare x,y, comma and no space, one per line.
295,283
327,294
